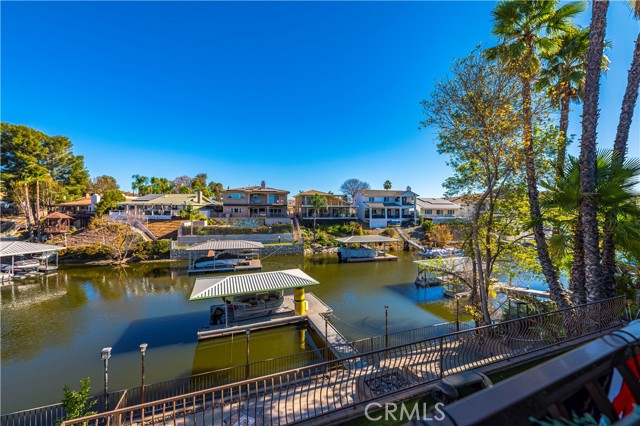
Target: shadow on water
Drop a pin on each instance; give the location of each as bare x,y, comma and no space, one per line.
160,331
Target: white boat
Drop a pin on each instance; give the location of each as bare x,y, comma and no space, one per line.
356,253
246,306
220,260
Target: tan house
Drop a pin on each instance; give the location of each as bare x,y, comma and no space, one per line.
439,209
256,201
166,206
338,208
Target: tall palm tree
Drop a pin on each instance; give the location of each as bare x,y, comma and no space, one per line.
527,30
317,201
620,150
387,184
596,288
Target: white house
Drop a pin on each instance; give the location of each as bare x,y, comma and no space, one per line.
439,209
467,205
381,208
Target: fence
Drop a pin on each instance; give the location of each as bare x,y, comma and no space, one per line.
307,393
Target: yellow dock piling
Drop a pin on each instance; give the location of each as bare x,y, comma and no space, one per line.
299,303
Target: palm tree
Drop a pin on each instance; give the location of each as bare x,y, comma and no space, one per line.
620,150
563,79
527,30
596,288
317,201
387,184
140,183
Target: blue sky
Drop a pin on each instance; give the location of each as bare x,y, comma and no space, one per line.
302,95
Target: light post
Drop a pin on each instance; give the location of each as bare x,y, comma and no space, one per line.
143,351
248,331
386,326
105,355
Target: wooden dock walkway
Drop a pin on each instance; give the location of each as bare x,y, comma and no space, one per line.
409,240
519,291
337,343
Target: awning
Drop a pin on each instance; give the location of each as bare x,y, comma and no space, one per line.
18,248
381,205
235,285
225,245
365,239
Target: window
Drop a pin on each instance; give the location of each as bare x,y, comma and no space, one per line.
386,199
429,212
274,199
449,211
236,210
371,199
235,196
438,211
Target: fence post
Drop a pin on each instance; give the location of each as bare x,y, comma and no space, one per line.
248,369
441,359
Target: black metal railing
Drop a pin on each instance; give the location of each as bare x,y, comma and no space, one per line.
312,392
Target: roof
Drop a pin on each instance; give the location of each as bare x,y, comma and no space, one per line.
85,201
385,192
57,215
173,199
235,285
225,245
255,188
437,203
17,248
366,239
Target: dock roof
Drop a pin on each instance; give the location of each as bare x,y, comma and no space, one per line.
364,239
18,248
225,245
235,285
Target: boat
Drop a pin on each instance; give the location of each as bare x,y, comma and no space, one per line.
221,259
246,306
443,252
224,255
356,253
357,249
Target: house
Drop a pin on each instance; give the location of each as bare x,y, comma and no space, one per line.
467,205
438,209
381,208
338,208
84,206
166,206
256,202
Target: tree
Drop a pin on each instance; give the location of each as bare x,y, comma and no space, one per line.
161,186
387,185
476,112
317,201
620,150
441,235
29,158
118,237
215,190
76,403
140,185
352,186
102,184
182,181
596,288
108,201
528,30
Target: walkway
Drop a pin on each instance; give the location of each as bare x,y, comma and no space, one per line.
409,240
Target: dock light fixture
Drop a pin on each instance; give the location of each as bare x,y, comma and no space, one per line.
105,355
386,326
143,351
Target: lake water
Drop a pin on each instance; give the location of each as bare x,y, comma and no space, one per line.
53,329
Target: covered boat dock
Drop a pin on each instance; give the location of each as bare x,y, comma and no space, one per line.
355,252
224,256
27,259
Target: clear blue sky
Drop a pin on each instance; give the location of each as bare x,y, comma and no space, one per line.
302,95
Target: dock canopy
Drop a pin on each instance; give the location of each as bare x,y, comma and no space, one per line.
235,285
19,248
366,239
218,245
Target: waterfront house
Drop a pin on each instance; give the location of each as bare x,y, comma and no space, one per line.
337,208
438,209
166,206
259,202
381,208
467,204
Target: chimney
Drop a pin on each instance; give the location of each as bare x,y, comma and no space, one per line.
198,196
408,189
262,185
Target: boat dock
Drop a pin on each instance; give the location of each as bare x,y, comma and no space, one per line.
381,257
247,265
519,291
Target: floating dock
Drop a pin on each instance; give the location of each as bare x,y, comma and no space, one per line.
520,291
378,258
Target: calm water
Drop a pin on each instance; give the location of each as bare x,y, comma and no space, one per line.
53,329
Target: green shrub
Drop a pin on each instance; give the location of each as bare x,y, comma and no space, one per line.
92,252
389,232
76,403
152,250
427,225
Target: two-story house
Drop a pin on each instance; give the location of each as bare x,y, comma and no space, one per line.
381,208
256,201
438,209
337,208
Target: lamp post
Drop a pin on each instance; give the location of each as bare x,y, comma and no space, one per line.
143,351
248,331
386,326
105,355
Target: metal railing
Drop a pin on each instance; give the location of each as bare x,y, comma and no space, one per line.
307,393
